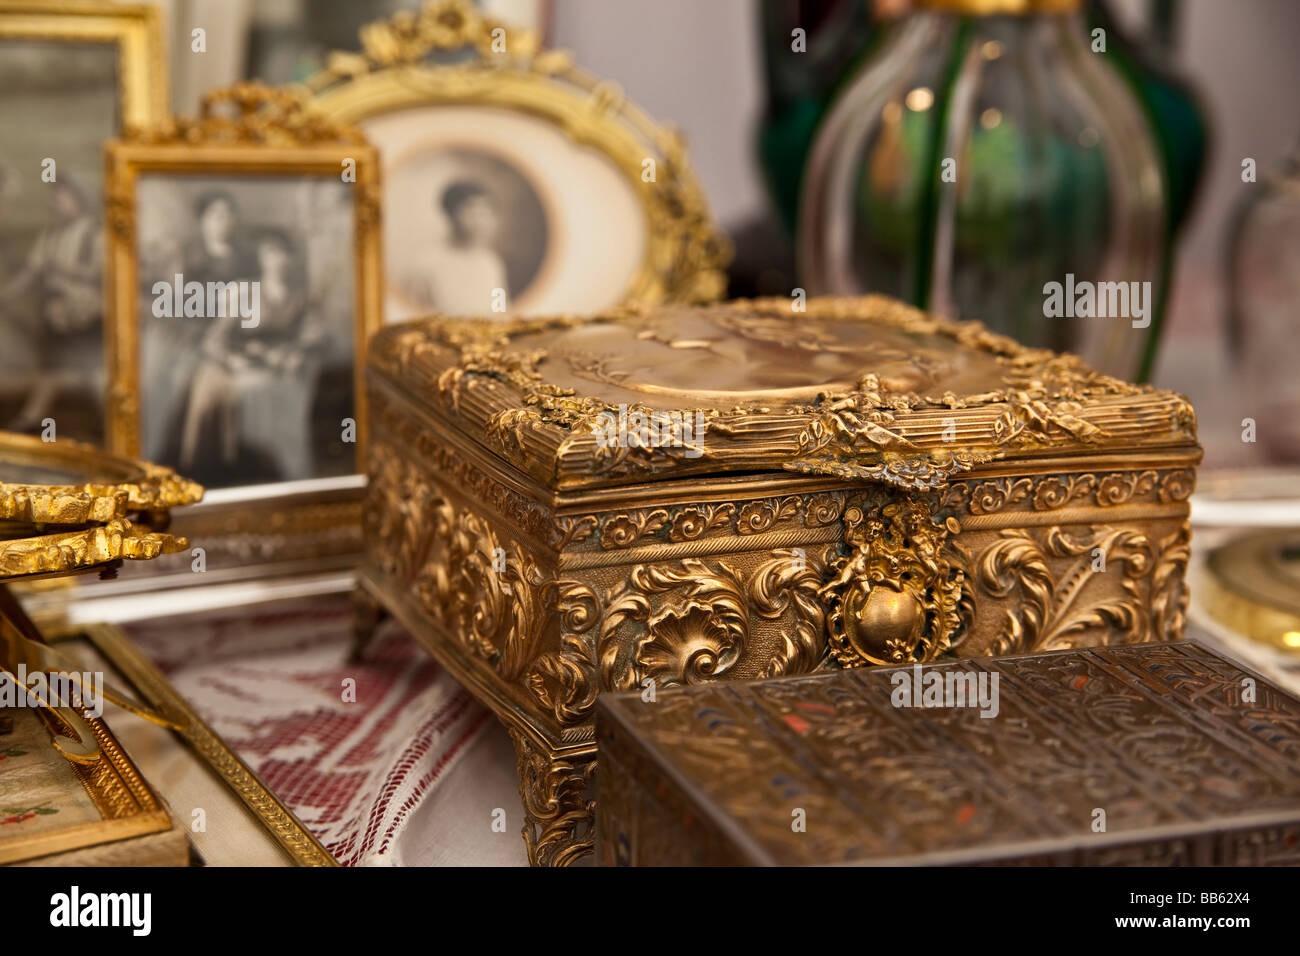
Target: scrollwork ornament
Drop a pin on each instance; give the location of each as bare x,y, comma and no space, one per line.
679,624
565,682
624,530
759,516
691,522
558,809
823,510
1043,579
485,591
1177,485
789,583
894,599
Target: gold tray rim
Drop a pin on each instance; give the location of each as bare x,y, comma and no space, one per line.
129,485
289,832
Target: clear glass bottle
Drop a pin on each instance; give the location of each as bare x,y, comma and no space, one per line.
985,151
1264,301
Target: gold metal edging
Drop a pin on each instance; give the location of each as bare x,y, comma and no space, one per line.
287,830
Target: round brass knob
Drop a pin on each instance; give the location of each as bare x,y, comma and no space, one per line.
883,623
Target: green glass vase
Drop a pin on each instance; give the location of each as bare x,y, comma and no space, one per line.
988,162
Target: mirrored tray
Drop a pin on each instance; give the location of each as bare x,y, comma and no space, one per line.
69,483
67,507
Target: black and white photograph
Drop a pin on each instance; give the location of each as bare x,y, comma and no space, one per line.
491,212
59,104
484,229
245,309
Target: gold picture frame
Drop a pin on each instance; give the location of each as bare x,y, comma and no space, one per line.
135,28
140,98
450,54
119,804
248,130
127,805
151,687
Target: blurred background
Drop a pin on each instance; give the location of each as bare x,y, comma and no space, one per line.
1225,74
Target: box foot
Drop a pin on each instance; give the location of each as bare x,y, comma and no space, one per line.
559,811
367,614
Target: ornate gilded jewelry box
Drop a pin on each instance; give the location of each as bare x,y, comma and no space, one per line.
1152,755
561,507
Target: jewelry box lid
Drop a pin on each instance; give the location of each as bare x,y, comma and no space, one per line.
893,778
864,388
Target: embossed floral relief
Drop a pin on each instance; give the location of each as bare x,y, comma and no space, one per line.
759,516
1051,492
681,623
424,452
785,589
698,619
394,514
692,522
625,530
564,682
656,625
487,595
1054,593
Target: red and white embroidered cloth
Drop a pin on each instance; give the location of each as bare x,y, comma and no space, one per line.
355,762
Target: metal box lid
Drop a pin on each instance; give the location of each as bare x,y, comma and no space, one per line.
1149,754
864,388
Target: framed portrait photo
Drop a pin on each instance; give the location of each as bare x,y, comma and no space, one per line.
243,282
515,183
74,73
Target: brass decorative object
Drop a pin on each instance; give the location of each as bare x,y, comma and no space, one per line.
248,130
876,616
450,54
287,830
1152,755
104,508
245,130
1252,585
94,499
858,483
121,805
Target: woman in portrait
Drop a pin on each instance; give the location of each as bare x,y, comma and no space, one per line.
248,415
61,281
463,273
216,251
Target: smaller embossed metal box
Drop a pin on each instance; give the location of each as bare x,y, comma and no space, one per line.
1151,755
563,507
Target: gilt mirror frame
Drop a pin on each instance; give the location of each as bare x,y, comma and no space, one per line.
450,54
